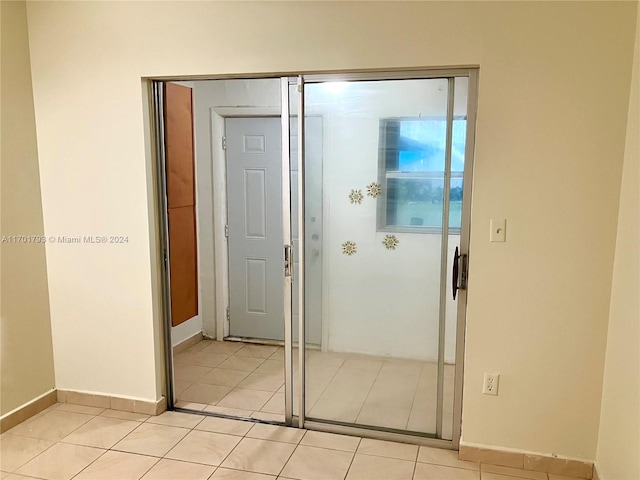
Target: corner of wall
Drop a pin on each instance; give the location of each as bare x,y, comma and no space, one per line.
27,370
619,429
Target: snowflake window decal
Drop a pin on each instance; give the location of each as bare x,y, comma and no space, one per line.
356,196
390,242
374,189
349,248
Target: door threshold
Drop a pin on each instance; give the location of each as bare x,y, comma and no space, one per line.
259,341
265,341
228,416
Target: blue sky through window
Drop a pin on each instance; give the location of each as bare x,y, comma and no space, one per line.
422,145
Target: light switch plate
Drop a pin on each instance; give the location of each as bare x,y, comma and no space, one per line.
498,230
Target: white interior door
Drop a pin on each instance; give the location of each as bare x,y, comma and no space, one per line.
255,217
256,256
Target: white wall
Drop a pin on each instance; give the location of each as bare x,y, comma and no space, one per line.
186,330
619,438
549,150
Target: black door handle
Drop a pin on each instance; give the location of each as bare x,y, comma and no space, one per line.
460,270
454,276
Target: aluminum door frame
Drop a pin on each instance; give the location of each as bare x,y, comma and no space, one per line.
156,101
286,238
286,83
472,74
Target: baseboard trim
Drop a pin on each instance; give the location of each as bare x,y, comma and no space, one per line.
28,410
113,402
527,461
596,473
183,345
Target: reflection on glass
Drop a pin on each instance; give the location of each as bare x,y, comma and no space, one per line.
376,364
421,145
415,202
413,158
374,307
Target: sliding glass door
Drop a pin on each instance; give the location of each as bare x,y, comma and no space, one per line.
377,212
341,225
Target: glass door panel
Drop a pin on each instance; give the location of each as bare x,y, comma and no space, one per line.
385,191
313,232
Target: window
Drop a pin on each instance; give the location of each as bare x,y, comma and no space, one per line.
412,167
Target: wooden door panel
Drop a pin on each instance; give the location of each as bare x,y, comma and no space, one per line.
179,145
183,260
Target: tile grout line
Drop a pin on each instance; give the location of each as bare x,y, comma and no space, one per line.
368,393
246,376
291,454
55,442
325,387
237,386
110,449
355,452
415,394
171,448
23,464
91,463
244,435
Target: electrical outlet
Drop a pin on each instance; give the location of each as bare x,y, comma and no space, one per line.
490,385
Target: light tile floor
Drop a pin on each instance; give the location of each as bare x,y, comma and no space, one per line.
113,445
247,380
